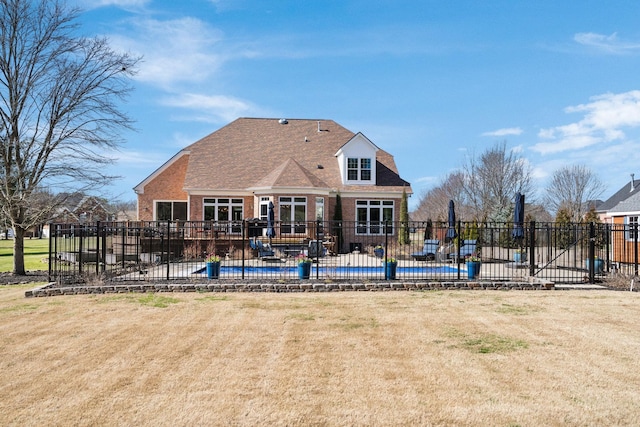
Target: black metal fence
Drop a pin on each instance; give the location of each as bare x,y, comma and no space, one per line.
176,250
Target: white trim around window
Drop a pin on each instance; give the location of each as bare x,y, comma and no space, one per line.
371,216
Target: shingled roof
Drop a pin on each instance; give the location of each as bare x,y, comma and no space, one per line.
266,153
630,189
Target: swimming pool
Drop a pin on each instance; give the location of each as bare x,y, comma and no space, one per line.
324,271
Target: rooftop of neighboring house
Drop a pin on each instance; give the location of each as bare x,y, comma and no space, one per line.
623,195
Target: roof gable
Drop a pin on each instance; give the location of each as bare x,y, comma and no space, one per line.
290,174
357,145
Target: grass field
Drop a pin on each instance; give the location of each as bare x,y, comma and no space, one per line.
35,251
521,358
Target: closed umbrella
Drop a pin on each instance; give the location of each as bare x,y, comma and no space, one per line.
451,231
428,230
271,231
518,217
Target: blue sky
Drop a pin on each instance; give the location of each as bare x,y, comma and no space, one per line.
431,82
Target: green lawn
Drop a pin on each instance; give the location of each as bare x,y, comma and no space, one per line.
36,252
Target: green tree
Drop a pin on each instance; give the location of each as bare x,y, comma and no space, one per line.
337,222
403,236
565,231
59,112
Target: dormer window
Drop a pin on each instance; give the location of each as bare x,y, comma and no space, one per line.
357,161
358,169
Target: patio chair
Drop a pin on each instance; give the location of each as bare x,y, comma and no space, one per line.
428,252
449,252
467,249
316,249
262,250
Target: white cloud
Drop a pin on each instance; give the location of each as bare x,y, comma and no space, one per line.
504,132
604,119
210,108
179,50
609,44
125,4
137,159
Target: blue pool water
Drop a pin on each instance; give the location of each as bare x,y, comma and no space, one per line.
342,271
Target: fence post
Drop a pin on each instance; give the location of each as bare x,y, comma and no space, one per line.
80,244
635,247
245,232
386,250
98,248
592,252
168,246
318,248
460,240
52,239
532,248
123,245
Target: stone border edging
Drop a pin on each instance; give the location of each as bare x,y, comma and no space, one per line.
52,289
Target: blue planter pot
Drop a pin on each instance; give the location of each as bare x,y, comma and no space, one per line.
473,269
304,270
598,265
213,270
379,253
390,270
520,257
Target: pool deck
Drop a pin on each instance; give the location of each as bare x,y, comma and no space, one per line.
332,268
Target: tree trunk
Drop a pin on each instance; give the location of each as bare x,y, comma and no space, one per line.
18,251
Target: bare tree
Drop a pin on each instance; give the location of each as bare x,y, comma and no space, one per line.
571,188
59,96
492,180
434,203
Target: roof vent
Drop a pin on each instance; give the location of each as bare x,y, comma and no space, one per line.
633,184
283,121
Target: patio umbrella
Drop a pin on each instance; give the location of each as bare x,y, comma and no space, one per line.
518,217
428,230
451,231
271,231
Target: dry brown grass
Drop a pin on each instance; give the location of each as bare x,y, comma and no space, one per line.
396,358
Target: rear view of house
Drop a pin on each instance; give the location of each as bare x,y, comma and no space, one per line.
298,165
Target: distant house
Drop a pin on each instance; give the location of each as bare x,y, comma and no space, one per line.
611,208
298,165
88,209
622,210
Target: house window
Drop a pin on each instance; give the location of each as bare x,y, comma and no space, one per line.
227,211
358,169
168,211
264,208
293,214
371,216
319,208
632,227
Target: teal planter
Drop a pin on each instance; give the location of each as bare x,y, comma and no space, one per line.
213,270
598,265
520,257
473,269
390,270
304,270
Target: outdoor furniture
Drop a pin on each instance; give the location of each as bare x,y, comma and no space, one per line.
449,253
262,250
428,252
316,249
